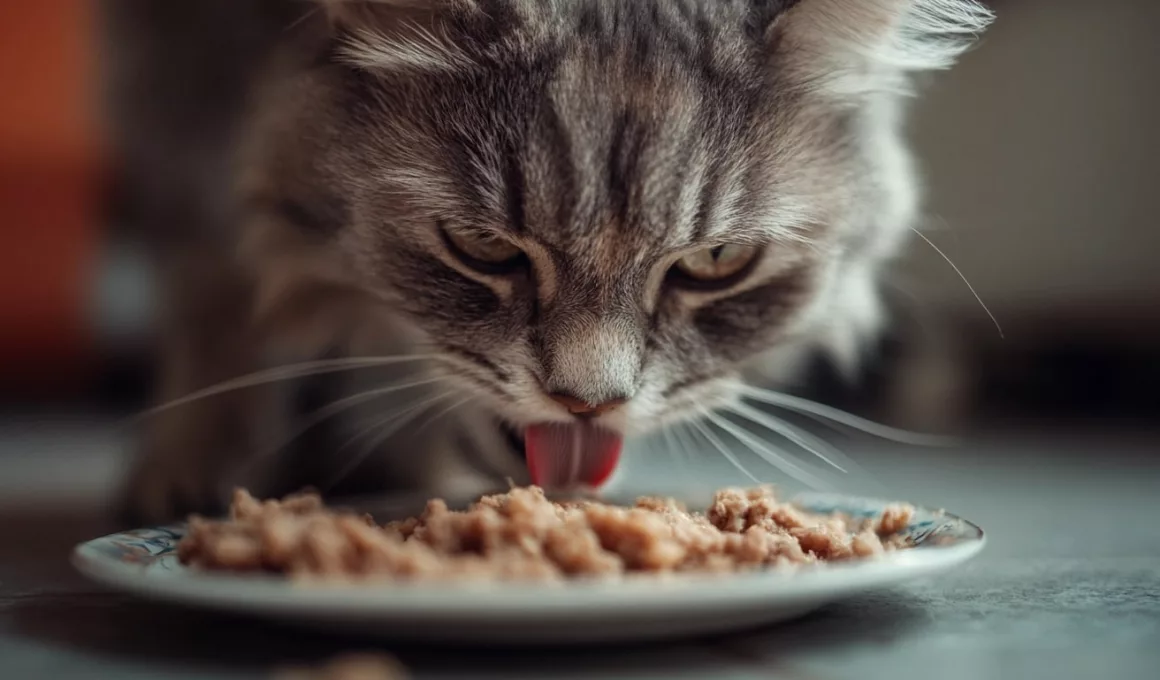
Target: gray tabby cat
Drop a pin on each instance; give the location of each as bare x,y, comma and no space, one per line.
567,221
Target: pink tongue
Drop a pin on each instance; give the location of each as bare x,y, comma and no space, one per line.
566,456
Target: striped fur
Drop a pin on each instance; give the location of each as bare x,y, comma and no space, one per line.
607,139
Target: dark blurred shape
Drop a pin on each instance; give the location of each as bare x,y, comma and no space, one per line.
51,169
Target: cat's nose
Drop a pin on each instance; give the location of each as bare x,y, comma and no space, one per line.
581,408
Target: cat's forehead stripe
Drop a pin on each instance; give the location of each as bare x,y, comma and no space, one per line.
600,158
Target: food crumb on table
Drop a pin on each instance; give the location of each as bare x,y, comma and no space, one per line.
355,666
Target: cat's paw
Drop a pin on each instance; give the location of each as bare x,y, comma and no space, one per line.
165,488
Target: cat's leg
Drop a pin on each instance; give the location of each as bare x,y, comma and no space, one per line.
189,454
400,427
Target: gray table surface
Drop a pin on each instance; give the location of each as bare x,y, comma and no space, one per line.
1068,587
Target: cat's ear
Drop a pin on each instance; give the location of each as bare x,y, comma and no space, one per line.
850,46
396,34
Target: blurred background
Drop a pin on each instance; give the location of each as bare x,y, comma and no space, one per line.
1039,151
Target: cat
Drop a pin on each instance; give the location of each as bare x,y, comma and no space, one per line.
557,223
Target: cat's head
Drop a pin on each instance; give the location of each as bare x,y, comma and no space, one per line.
610,200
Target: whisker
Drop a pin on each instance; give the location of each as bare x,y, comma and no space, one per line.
723,449
805,440
686,441
435,418
321,414
336,407
399,418
962,276
829,413
386,427
301,370
306,15
848,465
768,454
679,455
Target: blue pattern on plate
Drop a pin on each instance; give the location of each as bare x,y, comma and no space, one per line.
142,546
926,529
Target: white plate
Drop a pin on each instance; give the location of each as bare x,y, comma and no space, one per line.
144,562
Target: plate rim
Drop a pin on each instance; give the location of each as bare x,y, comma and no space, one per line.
646,595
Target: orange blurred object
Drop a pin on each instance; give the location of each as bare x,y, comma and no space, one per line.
51,169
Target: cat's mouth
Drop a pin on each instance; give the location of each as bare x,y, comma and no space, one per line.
568,455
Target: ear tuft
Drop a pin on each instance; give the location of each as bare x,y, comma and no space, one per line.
395,35
932,34
872,44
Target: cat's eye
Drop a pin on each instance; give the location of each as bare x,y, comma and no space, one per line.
718,266
483,251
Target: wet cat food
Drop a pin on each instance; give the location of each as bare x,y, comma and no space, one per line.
522,535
